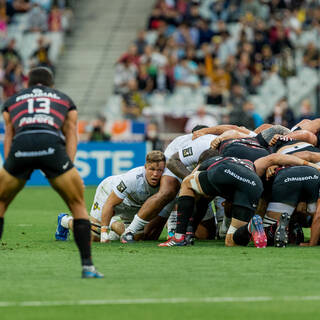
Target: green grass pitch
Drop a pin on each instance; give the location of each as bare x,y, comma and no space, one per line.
40,278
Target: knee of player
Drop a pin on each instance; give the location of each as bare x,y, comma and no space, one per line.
242,213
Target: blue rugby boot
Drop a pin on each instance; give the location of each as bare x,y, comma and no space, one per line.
62,233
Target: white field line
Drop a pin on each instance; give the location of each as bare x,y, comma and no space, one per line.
156,301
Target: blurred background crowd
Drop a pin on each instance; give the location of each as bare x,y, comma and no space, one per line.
31,34
196,62
210,59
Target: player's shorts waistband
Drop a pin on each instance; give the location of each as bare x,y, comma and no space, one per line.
32,131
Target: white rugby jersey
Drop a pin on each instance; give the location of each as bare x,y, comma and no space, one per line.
177,144
131,186
190,153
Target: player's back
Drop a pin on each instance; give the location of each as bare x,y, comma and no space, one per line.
38,108
176,144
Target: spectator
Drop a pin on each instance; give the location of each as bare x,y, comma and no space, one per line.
237,97
306,111
37,20
214,96
311,56
242,116
185,73
132,101
40,57
145,81
152,136
131,55
10,53
267,58
141,42
124,72
200,118
55,20
98,131
282,115
220,76
249,109
205,33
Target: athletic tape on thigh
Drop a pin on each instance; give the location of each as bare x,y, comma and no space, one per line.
280,207
195,185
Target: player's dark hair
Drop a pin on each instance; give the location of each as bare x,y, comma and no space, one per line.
198,127
40,75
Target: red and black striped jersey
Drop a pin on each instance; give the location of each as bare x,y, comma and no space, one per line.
38,107
210,163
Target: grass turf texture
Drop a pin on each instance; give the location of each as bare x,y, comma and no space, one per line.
34,267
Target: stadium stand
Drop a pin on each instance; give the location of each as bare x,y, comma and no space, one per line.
261,46
164,66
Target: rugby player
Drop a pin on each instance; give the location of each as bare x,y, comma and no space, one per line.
291,186
164,198
237,181
41,133
118,199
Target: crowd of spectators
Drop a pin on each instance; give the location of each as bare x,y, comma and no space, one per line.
39,18
229,47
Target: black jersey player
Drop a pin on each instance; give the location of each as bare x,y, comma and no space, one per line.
41,133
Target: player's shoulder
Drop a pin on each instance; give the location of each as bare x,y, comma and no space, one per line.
135,173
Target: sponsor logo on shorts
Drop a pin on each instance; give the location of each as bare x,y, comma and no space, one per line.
64,167
289,179
121,186
40,153
187,152
231,173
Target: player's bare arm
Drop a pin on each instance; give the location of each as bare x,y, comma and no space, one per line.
312,126
310,156
263,127
106,215
220,129
230,134
69,130
303,135
281,160
9,133
177,167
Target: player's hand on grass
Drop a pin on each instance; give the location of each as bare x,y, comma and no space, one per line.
305,244
104,236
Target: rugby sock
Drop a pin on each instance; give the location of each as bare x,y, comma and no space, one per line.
172,221
1,226
82,237
65,221
199,213
242,236
136,225
184,212
267,221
